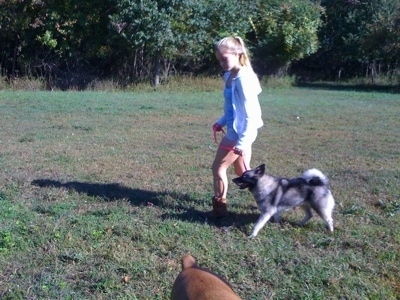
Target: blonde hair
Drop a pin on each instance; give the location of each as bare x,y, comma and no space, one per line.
236,45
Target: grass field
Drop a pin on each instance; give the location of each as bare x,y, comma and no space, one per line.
102,193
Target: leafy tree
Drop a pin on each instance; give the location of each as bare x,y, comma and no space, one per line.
15,20
358,38
166,33
75,38
146,25
285,31
72,42
381,39
51,38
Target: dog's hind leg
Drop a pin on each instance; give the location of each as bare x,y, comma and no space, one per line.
308,216
330,224
325,212
326,215
262,220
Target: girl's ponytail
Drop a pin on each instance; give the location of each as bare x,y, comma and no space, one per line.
244,55
235,45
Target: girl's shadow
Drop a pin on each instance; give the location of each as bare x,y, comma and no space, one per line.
106,191
184,211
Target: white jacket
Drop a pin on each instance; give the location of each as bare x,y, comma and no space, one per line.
246,107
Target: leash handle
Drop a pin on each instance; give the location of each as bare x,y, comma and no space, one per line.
215,130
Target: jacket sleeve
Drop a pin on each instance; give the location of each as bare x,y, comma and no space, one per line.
248,110
222,120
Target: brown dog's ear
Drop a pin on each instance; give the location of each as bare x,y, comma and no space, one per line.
188,261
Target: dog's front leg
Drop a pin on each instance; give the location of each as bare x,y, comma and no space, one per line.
262,220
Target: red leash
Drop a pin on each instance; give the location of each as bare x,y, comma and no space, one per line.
216,141
215,134
223,147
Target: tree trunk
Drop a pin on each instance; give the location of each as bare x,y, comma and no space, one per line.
157,70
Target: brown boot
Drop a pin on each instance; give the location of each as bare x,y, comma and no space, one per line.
219,207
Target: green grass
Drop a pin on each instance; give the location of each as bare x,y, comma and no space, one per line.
102,193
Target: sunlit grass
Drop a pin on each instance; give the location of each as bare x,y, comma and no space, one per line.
101,193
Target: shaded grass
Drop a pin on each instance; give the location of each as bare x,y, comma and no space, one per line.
102,193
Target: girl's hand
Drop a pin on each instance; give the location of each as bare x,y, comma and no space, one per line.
217,127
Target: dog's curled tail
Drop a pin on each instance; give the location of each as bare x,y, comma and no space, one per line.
315,177
188,261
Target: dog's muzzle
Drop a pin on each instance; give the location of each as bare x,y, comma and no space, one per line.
240,183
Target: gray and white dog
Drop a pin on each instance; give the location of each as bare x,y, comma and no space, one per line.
274,195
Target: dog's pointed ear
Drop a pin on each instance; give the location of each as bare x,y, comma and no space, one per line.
260,170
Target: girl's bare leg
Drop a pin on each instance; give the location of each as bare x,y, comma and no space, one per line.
242,163
223,159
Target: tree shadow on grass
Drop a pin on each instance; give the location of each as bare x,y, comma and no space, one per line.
350,87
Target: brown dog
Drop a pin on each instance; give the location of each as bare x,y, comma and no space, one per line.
198,283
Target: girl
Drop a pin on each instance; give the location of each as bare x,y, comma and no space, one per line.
242,117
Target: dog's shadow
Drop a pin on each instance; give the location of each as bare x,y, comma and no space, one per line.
233,220
185,210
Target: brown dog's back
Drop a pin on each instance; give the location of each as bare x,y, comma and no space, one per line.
198,283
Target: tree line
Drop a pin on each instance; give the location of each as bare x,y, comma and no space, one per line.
73,42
